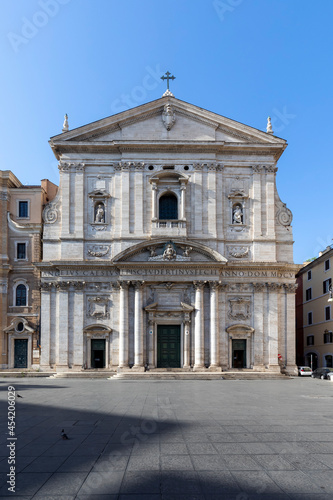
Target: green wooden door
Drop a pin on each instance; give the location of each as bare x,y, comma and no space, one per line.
21,353
168,346
97,353
239,353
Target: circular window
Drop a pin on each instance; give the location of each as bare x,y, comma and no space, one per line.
20,327
186,167
151,167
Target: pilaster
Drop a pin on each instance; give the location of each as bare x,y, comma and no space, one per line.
258,323
45,325
123,324
199,325
273,324
79,312
214,341
138,327
62,331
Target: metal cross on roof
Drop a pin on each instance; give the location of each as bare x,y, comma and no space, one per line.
167,78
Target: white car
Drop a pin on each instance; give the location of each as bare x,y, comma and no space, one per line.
304,371
330,376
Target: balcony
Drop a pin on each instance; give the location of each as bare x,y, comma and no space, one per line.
169,227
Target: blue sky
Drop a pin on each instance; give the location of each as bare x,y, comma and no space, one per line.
244,59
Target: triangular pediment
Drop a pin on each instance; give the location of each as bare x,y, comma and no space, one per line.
166,120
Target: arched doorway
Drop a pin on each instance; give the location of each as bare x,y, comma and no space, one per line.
97,347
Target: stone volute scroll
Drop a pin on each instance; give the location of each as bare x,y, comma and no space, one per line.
51,212
284,216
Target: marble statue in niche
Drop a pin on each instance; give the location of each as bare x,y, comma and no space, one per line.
237,214
100,213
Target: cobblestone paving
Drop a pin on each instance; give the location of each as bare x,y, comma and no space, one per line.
170,440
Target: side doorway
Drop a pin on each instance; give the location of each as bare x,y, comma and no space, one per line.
97,353
239,353
20,353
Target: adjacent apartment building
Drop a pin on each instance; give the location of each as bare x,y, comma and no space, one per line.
20,245
314,312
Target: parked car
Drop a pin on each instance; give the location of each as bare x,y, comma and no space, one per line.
330,376
304,371
321,373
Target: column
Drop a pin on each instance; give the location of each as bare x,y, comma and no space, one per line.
138,326
290,360
78,315
62,332
214,329
154,201
138,189
211,194
186,363
257,229
125,196
197,200
199,326
273,326
123,324
224,336
65,192
151,359
258,324
45,320
79,201
182,200
270,200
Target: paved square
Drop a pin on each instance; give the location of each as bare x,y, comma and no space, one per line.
137,440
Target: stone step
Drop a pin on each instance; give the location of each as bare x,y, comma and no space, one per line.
24,374
153,375
85,374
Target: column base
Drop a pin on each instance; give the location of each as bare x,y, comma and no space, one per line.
123,369
214,368
199,368
259,368
273,369
290,370
137,368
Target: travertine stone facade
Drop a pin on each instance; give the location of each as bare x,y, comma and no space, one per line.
21,228
167,246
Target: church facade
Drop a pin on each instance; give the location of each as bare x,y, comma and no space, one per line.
167,246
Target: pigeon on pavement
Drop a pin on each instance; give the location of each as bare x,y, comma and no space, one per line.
63,435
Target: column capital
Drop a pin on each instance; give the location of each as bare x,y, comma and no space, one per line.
274,287
214,285
198,285
123,285
138,284
290,287
259,287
